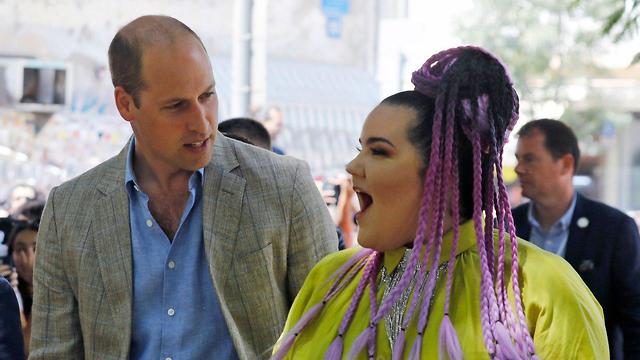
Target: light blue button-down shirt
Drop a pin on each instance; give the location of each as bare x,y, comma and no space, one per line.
176,312
554,240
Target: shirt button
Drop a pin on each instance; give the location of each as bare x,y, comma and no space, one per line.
172,264
171,312
149,223
168,358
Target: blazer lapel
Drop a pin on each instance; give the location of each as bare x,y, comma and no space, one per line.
223,193
112,236
576,248
521,222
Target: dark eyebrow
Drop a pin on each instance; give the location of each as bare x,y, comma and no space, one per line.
375,139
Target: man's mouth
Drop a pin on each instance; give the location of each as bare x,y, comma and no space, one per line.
198,144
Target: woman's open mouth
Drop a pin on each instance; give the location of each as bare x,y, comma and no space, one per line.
365,203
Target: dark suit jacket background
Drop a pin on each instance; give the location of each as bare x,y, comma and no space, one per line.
11,344
606,254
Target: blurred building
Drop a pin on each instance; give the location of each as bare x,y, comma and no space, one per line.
314,60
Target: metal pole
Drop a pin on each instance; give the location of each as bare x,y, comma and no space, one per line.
241,58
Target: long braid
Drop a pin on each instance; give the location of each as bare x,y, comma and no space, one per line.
373,291
343,276
501,288
486,286
435,243
424,227
448,338
434,186
367,337
336,348
514,272
515,326
441,188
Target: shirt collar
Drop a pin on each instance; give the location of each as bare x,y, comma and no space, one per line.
564,221
130,180
466,241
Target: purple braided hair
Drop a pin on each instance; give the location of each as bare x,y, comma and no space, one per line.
343,276
504,335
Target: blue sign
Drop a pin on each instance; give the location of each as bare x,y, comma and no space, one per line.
335,7
334,26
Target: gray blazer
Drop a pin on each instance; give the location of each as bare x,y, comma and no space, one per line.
265,226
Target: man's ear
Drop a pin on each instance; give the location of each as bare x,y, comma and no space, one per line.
568,164
124,103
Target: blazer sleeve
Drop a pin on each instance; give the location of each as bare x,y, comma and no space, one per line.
626,287
312,233
56,332
11,344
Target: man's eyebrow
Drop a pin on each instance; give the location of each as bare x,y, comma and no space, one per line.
176,99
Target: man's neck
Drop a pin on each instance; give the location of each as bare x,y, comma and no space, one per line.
549,210
158,178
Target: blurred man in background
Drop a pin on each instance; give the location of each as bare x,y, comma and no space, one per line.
602,243
272,119
247,130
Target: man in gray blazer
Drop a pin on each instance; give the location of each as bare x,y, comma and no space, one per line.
186,245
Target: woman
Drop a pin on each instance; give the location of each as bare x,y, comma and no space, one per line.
434,279
22,247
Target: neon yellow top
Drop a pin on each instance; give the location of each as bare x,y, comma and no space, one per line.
564,319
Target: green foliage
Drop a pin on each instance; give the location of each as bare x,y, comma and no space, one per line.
546,45
621,23
542,41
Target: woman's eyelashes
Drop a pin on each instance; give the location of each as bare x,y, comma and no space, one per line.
379,152
374,151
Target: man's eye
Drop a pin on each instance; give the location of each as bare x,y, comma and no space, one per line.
207,95
174,106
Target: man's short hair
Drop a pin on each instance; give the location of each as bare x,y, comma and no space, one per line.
559,139
248,129
126,49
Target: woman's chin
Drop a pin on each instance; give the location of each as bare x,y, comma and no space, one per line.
380,245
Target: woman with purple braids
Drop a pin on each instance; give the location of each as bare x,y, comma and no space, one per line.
435,278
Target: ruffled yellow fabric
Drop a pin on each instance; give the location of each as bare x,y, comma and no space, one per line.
564,318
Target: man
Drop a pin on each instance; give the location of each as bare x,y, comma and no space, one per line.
246,130
600,242
186,245
272,119
11,345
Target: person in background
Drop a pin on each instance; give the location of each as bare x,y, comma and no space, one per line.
11,343
246,129
272,119
18,196
22,248
600,242
441,276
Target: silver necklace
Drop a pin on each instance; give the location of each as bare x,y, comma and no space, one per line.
393,319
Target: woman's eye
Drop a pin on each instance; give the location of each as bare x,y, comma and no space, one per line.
358,148
379,152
